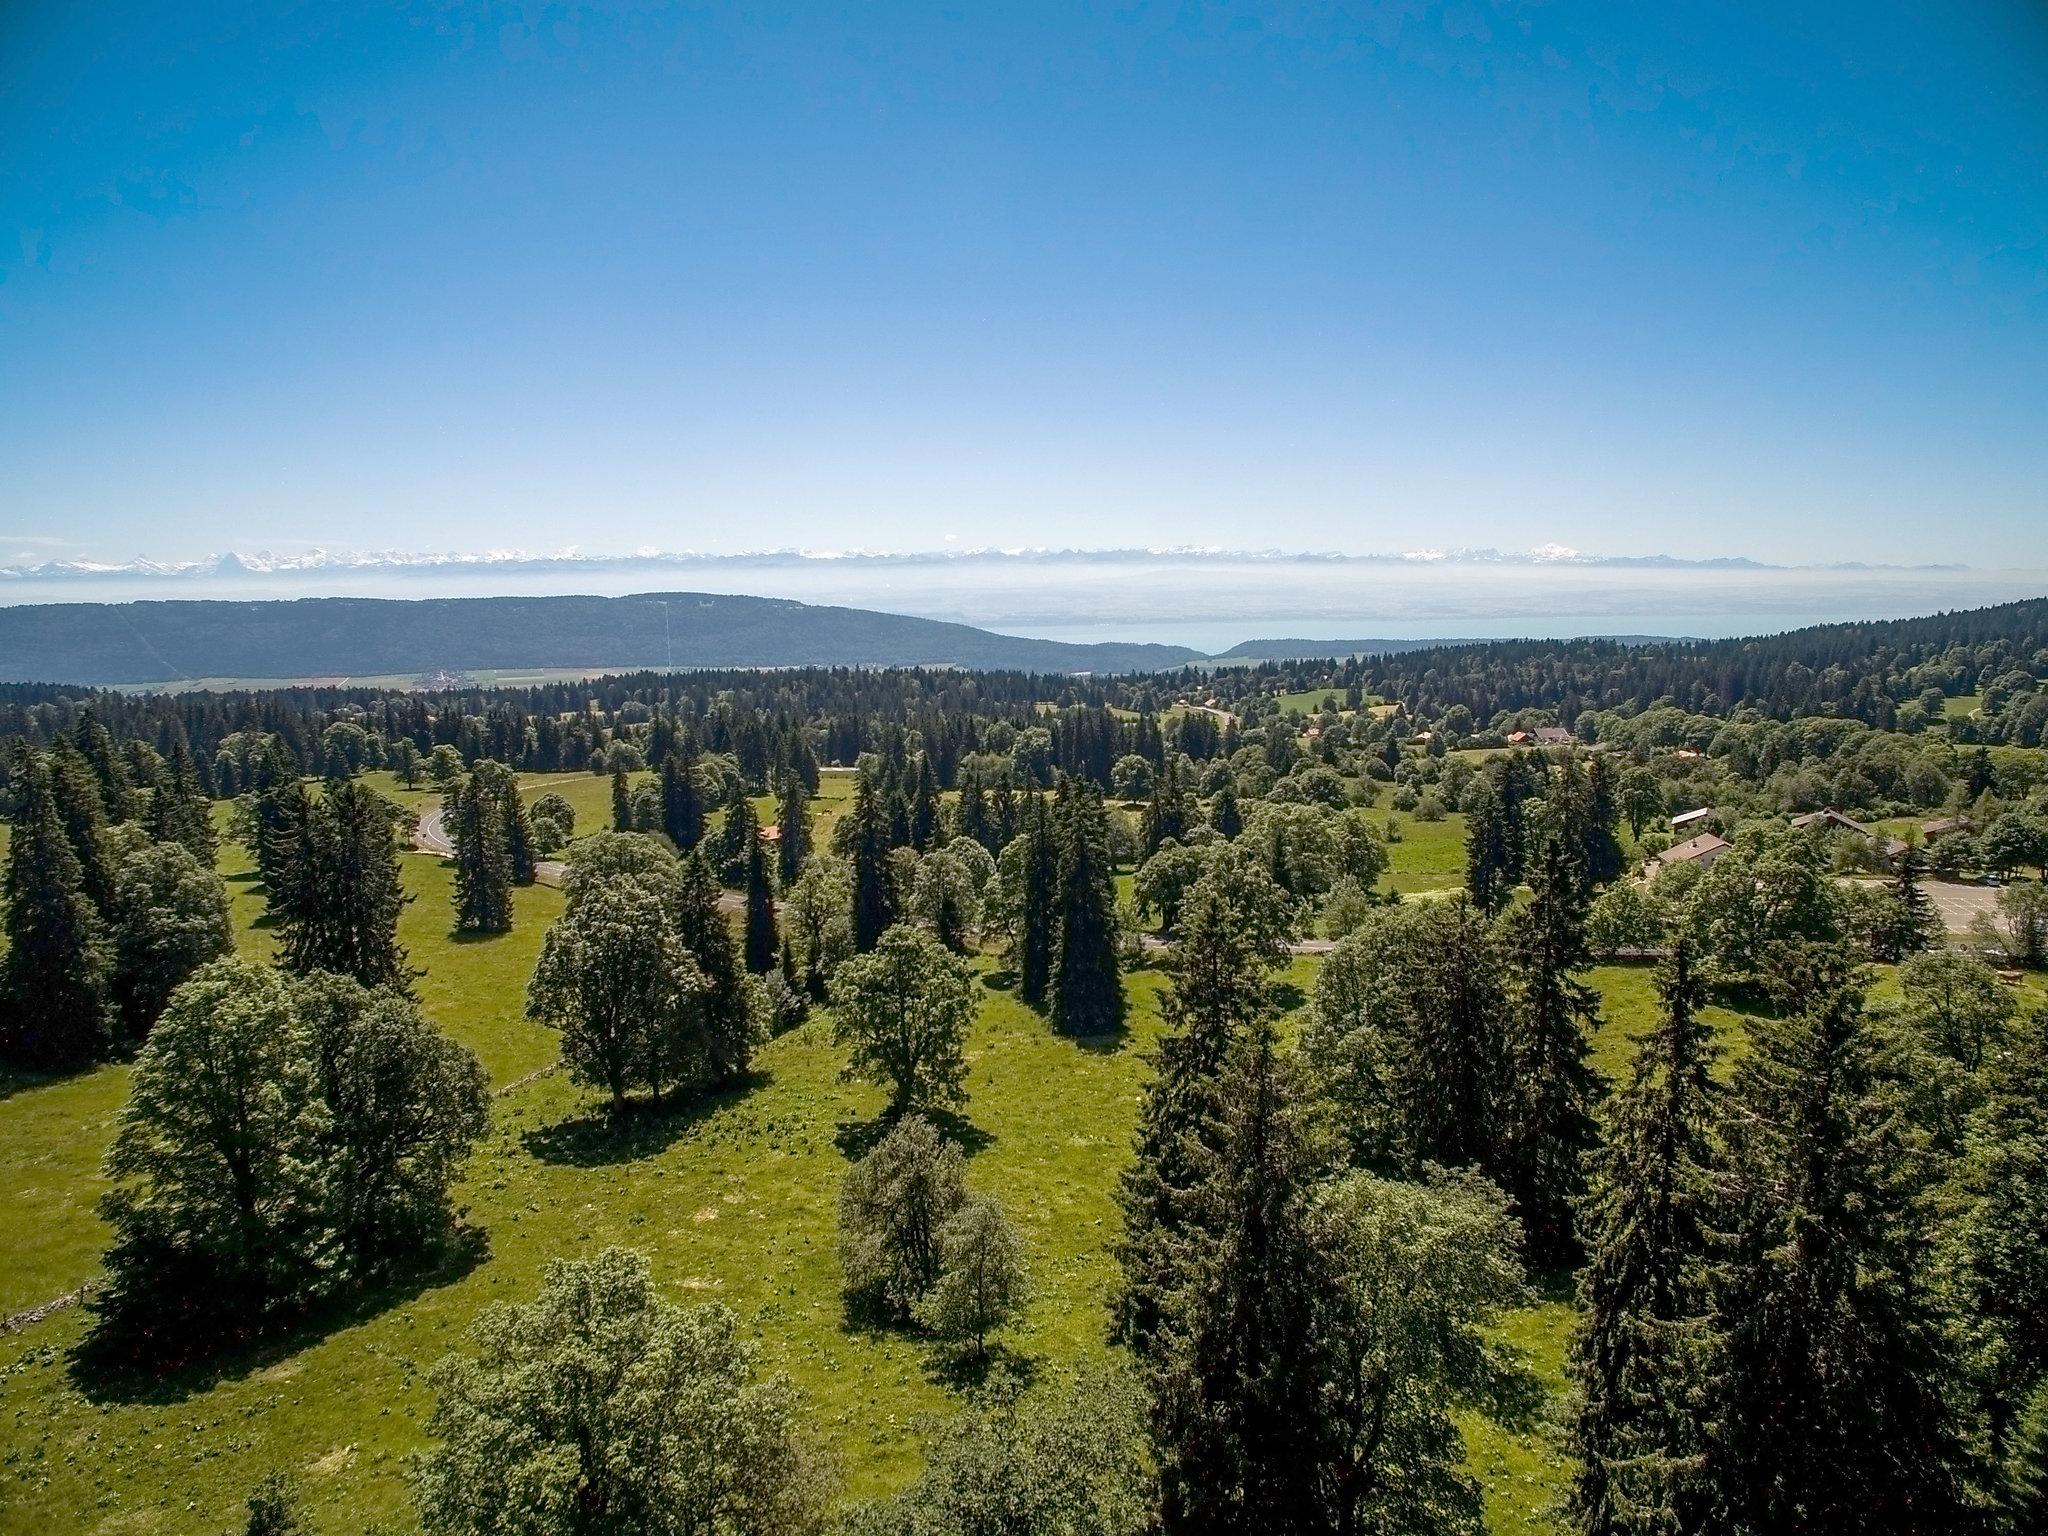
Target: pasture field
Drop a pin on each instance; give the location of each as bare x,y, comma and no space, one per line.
733,1199
1430,855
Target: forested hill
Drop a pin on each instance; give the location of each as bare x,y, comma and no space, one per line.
1856,670
167,642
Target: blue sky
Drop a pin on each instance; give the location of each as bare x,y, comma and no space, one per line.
1672,278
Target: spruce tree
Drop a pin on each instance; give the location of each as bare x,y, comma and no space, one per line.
725,1010
1218,993
1910,923
793,828
924,805
1828,1389
54,1004
1488,857
622,802
1085,994
282,812
95,744
1639,1355
1557,1090
76,791
874,901
344,892
179,810
1224,815
1236,1391
483,868
682,803
762,940
1037,916
971,816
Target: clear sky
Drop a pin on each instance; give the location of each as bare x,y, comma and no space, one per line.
1696,279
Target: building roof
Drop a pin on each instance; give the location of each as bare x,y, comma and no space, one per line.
1707,846
1687,818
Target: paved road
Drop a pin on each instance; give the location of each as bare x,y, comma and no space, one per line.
431,836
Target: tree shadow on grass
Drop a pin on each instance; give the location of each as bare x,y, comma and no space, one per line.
1108,1043
604,1140
1000,980
111,1367
957,1368
1286,996
855,1139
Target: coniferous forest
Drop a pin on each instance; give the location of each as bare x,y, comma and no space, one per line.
1548,1086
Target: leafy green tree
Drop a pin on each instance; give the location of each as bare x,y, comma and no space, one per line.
1084,993
904,1009
615,979
221,1198
981,1282
1641,799
554,823
893,1211
404,1104
54,976
598,1409
942,899
483,865
605,858
1829,1379
1407,1286
817,912
1640,1354
1071,1462
1764,904
170,918
1408,1037
1556,1089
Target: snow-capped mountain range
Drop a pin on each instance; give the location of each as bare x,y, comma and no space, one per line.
328,561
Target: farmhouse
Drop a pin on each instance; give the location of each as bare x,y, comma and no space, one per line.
1831,820
1542,736
1701,850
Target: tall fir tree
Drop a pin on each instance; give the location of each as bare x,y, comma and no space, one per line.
95,744
762,939
792,830
76,790
179,809
682,803
622,802
874,899
1640,1354
725,1010
1910,922
1557,1091
1488,857
1828,1396
1224,814
924,805
1236,1389
344,894
1037,915
970,813
54,1002
1085,994
1218,994
483,867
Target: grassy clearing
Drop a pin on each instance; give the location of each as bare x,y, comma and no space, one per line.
1961,706
1430,855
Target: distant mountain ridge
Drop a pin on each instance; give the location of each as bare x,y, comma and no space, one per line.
107,644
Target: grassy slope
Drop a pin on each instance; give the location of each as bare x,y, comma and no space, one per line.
735,1202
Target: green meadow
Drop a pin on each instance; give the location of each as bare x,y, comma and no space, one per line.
733,1199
